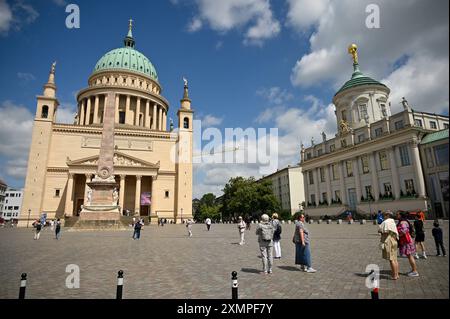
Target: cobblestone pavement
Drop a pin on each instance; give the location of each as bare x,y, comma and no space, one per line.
165,263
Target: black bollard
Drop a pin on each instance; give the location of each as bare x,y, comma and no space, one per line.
23,286
374,294
119,285
234,285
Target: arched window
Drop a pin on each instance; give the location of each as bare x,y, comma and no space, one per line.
186,123
44,114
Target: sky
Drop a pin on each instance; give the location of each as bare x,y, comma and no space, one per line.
250,64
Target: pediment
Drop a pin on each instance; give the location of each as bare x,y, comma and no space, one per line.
120,160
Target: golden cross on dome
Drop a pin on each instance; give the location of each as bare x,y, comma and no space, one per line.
353,50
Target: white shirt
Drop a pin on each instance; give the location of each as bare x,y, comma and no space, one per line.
208,221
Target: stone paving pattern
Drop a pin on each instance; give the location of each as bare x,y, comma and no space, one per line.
165,263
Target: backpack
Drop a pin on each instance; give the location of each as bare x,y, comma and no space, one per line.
277,231
266,232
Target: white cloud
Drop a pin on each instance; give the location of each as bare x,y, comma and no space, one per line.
26,76
275,95
5,17
210,120
255,16
416,29
304,13
24,13
16,124
66,113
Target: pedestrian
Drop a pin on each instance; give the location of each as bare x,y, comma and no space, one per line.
52,224
406,243
420,237
137,229
379,217
208,223
302,245
189,223
38,227
265,231
388,242
438,238
58,229
241,227
276,236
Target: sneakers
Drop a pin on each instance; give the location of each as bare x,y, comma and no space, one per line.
424,256
439,255
303,268
413,274
416,256
270,271
310,270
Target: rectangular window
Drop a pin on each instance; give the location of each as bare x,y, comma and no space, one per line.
365,164
429,155
379,132
311,178
384,163
349,167
121,117
324,198
387,189
361,138
16,207
57,192
335,171
404,155
166,194
409,186
319,153
433,125
337,195
369,194
313,199
308,156
344,115
322,174
363,112
445,126
441,154
399,125
418,123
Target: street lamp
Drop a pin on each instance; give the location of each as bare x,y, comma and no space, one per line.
28,220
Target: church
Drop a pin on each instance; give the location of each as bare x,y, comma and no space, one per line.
152,164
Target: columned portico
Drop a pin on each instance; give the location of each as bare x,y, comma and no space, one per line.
373,171
316,186
122,191
394,171
343,190
137,198
69,196
328,182
357,180
417,168
306,181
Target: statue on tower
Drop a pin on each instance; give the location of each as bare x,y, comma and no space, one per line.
185,82
53,68
353,51
405,104
324,137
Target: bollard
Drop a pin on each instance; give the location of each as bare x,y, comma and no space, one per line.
319,221
289,222
234,285
311,221
350,222
23,285
362,222
119,285
374,294
375,222
329,221
339,221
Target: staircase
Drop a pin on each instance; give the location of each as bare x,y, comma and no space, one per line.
74,224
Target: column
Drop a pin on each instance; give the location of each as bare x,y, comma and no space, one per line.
164,125
417,169
342,183
122,192
394,173
373,171
316,186
88,112
357,180
97,100
86,188
116,115
137,200
81,120
328,181
160,119
127,111
68,211
147,114
153,192
154,118
306,184
138,111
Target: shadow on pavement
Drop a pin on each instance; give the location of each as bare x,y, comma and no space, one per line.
251,270
290,268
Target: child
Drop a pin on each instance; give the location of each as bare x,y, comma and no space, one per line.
189,226
438,238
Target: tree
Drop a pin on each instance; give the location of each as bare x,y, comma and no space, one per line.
207,207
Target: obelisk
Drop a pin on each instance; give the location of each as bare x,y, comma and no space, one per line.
102,200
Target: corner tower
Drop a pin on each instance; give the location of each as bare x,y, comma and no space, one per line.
184,159
47,105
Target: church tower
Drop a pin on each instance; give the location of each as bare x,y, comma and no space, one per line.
184,159
47,105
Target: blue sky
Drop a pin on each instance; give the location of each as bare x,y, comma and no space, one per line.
250,63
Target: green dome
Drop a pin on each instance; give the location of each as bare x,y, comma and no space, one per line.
359,79
128,59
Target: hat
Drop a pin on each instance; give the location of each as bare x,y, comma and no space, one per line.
265,218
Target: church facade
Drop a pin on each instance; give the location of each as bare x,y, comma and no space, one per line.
374,161
152,164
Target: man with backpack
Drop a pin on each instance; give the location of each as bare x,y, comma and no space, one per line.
38,227
265,231
276,236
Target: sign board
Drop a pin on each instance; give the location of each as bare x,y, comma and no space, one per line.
146,199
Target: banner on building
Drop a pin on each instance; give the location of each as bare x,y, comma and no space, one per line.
146,199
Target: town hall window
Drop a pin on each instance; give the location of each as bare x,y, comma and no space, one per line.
186,123
44,112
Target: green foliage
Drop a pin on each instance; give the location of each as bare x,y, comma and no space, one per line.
206,207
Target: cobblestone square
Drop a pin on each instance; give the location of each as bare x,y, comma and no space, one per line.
165,263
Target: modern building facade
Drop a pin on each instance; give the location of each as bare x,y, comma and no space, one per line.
13,203
152,164
287,186
434,155
3,188
374,162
